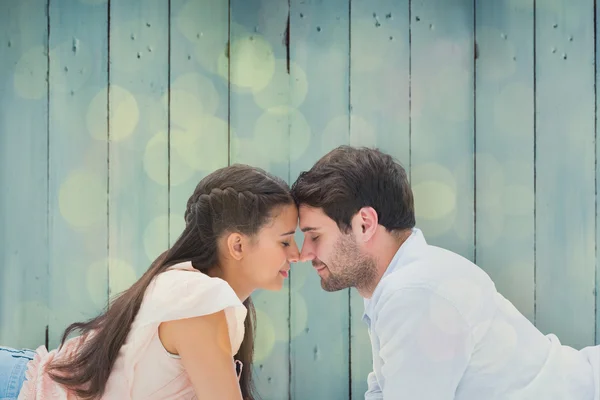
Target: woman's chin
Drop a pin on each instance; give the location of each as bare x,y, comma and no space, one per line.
275,285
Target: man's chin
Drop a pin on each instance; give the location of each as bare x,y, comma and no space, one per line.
328,287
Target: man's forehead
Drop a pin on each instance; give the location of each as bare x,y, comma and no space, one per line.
310,212
312,218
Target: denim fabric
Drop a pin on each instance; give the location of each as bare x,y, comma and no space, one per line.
13,364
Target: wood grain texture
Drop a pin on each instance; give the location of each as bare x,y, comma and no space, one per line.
261,112
78,172
319,46
138,138
501,150
597,289
505,149
23,173
442,121
565,171
199,102
379,95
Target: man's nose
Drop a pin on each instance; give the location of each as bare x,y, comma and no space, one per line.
306,254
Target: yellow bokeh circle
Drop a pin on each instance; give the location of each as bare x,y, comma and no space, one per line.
82,198
121,275
265,336
251,63
124,114
155,237
201,87
285,88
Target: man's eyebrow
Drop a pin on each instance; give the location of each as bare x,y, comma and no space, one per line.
308,229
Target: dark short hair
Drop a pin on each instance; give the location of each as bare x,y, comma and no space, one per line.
349,178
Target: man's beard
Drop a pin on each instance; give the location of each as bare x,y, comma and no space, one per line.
353,268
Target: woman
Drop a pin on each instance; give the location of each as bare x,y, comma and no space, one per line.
180,331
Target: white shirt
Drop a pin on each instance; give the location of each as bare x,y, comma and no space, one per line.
440,331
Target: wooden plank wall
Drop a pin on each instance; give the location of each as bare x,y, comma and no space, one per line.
379,60
78,163
112,110
319,46
565,170
24,310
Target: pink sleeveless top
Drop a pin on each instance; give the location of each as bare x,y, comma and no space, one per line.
144,369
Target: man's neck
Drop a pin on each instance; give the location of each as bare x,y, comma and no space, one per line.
384,249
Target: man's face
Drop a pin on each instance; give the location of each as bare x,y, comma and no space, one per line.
335,256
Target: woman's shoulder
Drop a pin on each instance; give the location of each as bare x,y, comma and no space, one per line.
184,292
182,281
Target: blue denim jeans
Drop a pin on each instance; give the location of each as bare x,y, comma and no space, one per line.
13,364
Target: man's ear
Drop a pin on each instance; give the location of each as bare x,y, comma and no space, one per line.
365,223
236,246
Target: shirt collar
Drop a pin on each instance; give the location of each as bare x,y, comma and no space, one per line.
405,254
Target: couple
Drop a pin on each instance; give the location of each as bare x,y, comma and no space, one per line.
184,330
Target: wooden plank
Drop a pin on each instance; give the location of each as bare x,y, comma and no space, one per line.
442,129
24,172
260,114
379,83
138,138
78,163
319,45
199,103
565,171
597,291
505,149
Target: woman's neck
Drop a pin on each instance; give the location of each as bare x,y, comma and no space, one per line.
241,290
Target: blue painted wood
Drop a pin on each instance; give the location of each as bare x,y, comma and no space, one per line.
23,173
199,104
138,173
260,115
565,171
597,289
505,149
78,163
301,115
442,135
319,46
379,66
138,138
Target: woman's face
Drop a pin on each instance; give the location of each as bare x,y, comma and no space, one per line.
266,263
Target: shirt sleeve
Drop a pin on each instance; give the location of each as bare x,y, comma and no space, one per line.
178,294
373,389
425,345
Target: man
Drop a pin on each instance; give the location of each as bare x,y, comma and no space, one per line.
439,329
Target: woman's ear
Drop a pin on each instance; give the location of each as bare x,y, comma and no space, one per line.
235,246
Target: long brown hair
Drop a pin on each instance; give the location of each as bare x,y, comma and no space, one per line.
237,198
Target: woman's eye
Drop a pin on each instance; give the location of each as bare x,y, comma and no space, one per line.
285,244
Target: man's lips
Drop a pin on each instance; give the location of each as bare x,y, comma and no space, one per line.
319,267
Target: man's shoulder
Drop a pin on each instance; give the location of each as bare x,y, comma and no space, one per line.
442,275
430,269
